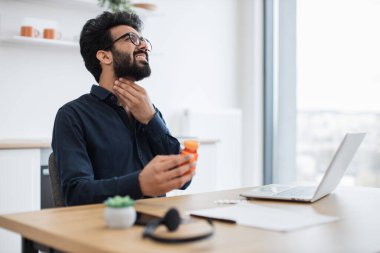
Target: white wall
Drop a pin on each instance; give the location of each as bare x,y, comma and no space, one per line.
196,65
200,61
36,81
193,62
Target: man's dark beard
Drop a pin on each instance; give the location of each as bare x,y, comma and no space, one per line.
123,67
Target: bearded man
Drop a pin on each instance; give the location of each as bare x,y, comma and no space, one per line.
114,141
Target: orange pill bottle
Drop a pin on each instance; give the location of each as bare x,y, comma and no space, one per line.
191,147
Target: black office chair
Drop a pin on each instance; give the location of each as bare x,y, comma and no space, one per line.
29,246
55,182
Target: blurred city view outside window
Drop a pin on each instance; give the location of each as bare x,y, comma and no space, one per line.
338,86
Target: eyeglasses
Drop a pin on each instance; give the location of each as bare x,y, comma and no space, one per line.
134,38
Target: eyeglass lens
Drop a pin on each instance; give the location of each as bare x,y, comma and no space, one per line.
137,41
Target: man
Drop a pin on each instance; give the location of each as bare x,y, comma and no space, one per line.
113,141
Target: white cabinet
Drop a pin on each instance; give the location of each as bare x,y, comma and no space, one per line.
206,177
225,126
19,189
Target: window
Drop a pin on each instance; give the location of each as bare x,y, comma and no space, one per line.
326,82
338,85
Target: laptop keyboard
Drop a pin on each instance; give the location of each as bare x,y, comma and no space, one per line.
299,192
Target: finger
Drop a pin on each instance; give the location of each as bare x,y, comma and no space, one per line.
165,163
178,182
163,158
126,88
179,171
125,95
175,161
122,84
138,95
133,91
157,161
122,99
132,84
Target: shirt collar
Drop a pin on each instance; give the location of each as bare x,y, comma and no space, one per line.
100,92
103,94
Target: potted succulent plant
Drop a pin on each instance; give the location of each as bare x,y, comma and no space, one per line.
119,212
124,5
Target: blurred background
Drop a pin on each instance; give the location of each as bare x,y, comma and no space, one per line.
268,87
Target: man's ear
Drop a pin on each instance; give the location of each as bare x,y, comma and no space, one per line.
104,57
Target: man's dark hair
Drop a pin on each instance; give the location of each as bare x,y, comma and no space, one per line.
96,36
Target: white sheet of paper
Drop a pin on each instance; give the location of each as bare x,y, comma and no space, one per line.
266,217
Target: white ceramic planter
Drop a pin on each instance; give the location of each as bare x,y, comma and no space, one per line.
120,217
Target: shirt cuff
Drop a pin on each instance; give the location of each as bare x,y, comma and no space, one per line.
130,185
156,127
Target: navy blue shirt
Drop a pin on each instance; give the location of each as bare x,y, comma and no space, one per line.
100,151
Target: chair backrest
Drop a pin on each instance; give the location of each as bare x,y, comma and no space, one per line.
55,182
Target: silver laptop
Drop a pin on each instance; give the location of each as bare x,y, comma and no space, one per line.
329,182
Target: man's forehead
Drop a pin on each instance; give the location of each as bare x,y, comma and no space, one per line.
119,30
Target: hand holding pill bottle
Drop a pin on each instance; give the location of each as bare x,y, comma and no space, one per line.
191,147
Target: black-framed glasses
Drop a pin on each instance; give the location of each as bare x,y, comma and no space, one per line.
134,38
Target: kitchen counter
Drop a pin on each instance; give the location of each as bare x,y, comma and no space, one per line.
24,143
45,143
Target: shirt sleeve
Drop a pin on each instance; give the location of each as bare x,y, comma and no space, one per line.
74,165
159,137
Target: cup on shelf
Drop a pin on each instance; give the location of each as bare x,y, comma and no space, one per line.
29,31
51,34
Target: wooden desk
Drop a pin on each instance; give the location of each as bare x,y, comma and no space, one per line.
82,228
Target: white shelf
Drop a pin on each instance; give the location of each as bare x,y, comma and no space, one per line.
88,3
84,3
19,40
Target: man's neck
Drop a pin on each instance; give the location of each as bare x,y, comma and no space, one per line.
107,81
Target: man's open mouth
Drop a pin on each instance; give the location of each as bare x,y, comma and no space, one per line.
141,56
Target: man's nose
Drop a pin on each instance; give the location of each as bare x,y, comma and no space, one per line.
144,46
